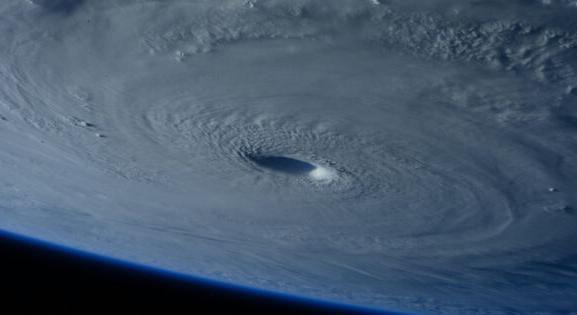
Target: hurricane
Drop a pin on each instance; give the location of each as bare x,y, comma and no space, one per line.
411,155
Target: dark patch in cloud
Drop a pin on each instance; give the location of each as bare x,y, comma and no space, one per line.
59,6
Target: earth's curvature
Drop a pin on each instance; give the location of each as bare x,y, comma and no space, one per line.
415,155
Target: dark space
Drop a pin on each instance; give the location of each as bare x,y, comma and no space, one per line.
38,278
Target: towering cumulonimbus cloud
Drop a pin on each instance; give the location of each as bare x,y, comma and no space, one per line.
417,155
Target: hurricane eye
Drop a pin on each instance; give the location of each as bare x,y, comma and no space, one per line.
283,164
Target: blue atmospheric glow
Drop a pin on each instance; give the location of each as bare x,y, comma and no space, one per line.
192,280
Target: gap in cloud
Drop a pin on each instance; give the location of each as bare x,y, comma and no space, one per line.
283,164
59,6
